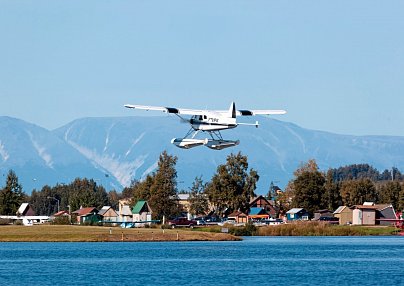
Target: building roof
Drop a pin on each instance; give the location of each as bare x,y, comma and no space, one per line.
381,207
368,203
364,207
257,211
105,209
126,211
139,206
61,213
23,208
183,197
340,209
295,210
236,213
253,200
323,211
85,211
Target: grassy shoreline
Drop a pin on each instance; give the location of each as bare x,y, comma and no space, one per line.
311,228
73,233
325,229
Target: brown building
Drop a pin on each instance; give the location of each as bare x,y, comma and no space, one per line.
344,214
262,202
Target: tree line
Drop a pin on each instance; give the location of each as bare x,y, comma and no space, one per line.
231,188
350,185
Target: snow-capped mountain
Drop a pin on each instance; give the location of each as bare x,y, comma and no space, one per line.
113,151
40,157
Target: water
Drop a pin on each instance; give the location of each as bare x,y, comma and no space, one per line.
254,261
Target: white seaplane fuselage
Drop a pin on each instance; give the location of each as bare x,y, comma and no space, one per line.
212,122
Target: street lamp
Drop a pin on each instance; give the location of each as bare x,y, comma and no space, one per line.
56,200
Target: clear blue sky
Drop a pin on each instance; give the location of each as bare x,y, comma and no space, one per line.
336,66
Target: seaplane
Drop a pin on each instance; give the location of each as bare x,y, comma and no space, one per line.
209,121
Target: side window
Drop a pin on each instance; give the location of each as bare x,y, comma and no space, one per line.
205,117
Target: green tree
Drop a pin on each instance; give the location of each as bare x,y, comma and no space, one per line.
163,192
86,193
401,200
357,192
197,198
389,193
331,198
309,191
11,196
141,190
232,186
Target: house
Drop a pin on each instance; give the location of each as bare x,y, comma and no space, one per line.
124,212
86,215
25,210
61,214
384,213
297,214
142,212
183,202
364,214
108,214
323,213
344,214
238,216
262,202
258,214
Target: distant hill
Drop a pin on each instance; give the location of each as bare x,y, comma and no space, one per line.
113,151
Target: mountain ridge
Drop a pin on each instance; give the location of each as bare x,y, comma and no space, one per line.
115,150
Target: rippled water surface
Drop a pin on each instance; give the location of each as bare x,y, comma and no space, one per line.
254,261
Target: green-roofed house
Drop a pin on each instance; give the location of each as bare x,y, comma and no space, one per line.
141,212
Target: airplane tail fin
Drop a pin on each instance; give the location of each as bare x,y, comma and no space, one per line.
232,110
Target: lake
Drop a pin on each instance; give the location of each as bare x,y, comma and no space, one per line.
254,261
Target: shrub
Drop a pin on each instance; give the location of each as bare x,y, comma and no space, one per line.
4,221
248,230
62,220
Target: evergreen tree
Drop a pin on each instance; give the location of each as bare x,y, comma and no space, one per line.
331,198
163,192
401,200
390,193
141,191
11,196
232,186
86,193
197,198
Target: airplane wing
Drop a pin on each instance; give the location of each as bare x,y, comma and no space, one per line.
167,109
259,112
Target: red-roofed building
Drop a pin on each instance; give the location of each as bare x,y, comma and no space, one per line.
86,215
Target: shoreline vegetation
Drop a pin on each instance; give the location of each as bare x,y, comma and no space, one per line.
73,233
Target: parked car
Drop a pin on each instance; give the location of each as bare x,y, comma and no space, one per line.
200,221
330,219
211,219
182,222
272,221
231,222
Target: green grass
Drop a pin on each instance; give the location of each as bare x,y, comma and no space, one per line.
323,229
72,233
